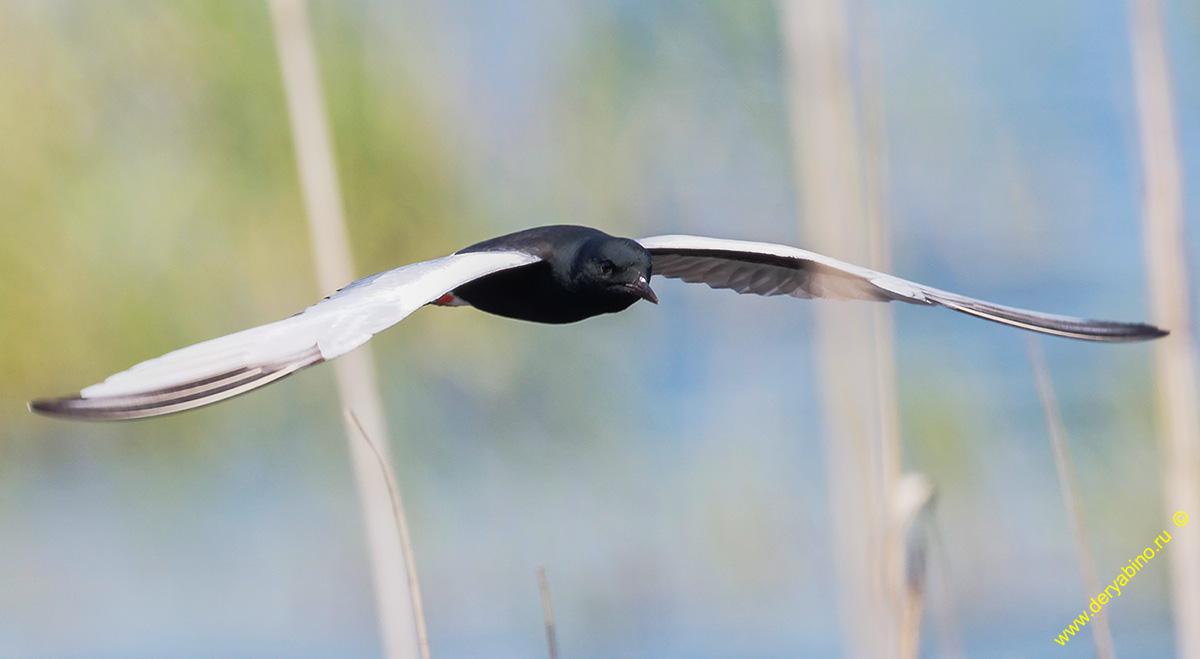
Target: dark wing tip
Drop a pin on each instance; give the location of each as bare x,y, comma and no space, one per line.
1149,332
1105,331
59,407
77,408
177,398
1108,331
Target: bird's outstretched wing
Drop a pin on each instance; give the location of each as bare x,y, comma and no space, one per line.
768,269
218,369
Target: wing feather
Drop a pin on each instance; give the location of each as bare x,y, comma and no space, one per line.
769,269
230,365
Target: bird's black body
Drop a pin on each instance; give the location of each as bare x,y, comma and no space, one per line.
583,273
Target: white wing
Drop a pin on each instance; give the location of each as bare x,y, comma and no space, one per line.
769,269
218,369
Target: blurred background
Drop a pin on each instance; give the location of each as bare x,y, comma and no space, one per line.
665,464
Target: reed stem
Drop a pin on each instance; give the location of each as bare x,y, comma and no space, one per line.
355,371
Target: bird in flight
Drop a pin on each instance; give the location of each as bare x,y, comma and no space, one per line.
553,274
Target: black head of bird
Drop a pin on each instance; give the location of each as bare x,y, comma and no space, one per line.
615,271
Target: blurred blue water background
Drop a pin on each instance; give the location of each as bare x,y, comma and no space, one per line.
666,464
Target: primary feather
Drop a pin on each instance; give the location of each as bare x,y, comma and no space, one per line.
218,369
769,269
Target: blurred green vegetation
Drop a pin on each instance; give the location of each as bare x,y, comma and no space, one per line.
148,182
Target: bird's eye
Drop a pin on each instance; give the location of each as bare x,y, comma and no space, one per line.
607,267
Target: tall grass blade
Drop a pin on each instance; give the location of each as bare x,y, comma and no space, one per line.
861,445
1099,626
401,520
355,371
1170,307
548,611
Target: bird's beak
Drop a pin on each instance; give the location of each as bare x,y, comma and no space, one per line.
642,288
